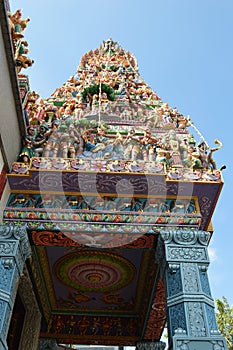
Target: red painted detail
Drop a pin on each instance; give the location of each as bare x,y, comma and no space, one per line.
2,181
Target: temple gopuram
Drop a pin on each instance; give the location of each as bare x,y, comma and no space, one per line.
108,194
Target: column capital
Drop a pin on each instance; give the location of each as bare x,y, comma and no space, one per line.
182,245
184,236
9,237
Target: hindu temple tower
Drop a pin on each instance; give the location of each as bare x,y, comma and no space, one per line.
107,195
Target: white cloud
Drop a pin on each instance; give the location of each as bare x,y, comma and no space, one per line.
212,254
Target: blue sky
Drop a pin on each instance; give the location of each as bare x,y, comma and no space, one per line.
185,53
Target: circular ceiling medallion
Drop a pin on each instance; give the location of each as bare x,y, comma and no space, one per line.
94,271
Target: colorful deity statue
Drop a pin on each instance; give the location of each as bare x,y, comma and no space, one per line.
177,206
53,143
190,207
175,160
132,146
152,205
23,62
182,122
149,144
27,152
41,139
196,162
101,147
17,24
205,154
70,141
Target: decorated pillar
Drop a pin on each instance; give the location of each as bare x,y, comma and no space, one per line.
184,261
150,345
32,321
14,250
47,344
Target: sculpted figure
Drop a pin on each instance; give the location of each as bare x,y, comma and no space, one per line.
152,204
177,206
40,139
27,151
182,122
149,144
205,154
132,146
18,24
23,62
69,142
162,155
190,207
153,119
101,147
53,144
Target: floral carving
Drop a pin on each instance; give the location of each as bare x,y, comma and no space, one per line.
196,320
7,248
185,253
31,326
190,278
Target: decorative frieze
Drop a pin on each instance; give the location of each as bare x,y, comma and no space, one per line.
150,345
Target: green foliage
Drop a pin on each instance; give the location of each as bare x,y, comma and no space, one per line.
94,90
84,122
224,316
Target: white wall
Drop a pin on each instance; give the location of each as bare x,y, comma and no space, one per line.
6,191
9,127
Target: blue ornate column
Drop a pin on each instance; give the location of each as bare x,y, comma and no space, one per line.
183,258
14,250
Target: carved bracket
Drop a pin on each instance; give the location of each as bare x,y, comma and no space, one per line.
185,236
8,262
9,236
203,268
173,268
